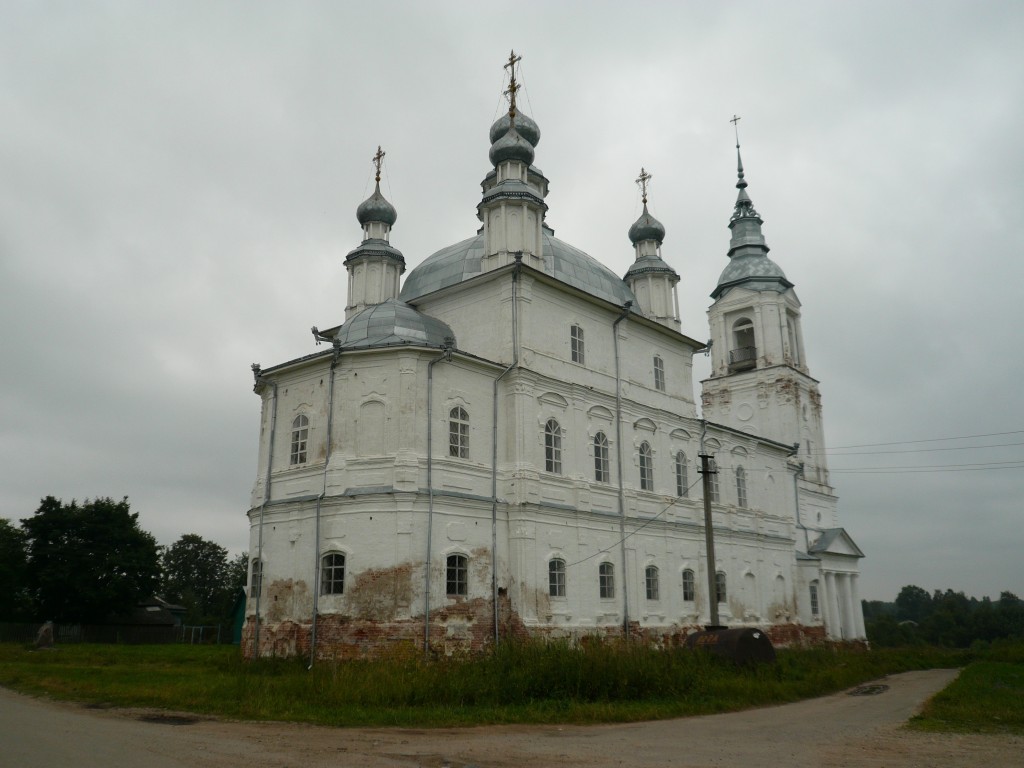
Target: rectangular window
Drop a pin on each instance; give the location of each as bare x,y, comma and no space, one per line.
606,580
332,574
741,486
300,439
601,473
689,586
457,575
576,343
556,578
659,374
458,433
814,599
646,468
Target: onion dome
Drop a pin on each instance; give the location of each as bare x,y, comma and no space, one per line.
511,146
377,208
527,128
646,228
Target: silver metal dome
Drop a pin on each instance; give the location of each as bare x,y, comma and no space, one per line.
392,323
527,128
377,208
462,261
754,271
511,146
646,228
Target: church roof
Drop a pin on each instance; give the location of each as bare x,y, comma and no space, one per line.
462,261
392,323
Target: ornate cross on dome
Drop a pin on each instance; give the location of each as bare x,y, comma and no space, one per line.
377,160
513,86
642,180
734,121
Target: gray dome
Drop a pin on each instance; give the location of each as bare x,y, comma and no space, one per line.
754,271
392,324
646,228
511,146
460,262
527,128
377,208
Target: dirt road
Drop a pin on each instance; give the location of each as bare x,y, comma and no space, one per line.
838,730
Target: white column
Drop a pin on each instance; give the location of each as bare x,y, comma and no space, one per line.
858,609
834,630
849,622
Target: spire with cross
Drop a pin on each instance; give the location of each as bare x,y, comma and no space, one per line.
377,160
513,86
641,181
741,182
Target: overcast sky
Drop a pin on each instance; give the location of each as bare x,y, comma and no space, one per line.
178,185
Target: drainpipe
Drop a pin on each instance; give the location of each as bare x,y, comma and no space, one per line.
319,501
626,308
797,474
494,444
446,355
266,497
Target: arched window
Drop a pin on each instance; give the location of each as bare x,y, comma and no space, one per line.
741,486
720,591
646,468
332,574
651,582
814,598
659,374
601,473
556,577
458,433
576,343
606,580
743,353
689,586
553,447
457,574
256,579
300,439
682,481
713,481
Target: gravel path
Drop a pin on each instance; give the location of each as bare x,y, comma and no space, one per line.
837,730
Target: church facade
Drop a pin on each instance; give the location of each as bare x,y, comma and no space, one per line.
505,442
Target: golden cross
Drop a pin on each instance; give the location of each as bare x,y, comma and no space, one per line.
513,86
642,180
377,160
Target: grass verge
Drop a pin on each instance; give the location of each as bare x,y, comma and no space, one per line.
521,683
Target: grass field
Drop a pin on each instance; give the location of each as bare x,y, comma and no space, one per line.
523,683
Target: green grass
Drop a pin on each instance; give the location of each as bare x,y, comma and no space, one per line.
986,697
522,683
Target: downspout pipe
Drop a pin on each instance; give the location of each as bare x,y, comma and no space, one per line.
446,356
319,502
626,309
798,472
494,442
266,497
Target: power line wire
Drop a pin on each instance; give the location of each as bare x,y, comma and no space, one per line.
930,440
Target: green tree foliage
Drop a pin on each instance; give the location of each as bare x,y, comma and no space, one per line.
14,603
88,562
949,619
197,575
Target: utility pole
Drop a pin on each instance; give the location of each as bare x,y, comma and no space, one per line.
707,468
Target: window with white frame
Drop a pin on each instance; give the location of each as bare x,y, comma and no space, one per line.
720,591
606,580
256,579
646,468
332,574
553,447
458,433
651,582
682,481
601,467
659,374
457,575
689,586
300,439
741,486
713,481
814,598
576,344
556,577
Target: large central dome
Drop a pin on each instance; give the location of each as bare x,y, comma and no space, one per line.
462,261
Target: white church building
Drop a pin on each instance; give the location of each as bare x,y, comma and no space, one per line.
505,443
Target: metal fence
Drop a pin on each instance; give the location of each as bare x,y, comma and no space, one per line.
115,633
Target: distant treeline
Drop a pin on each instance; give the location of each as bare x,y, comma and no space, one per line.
949,619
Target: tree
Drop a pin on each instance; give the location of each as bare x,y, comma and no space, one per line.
196,575
913,604
14,605
88,563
